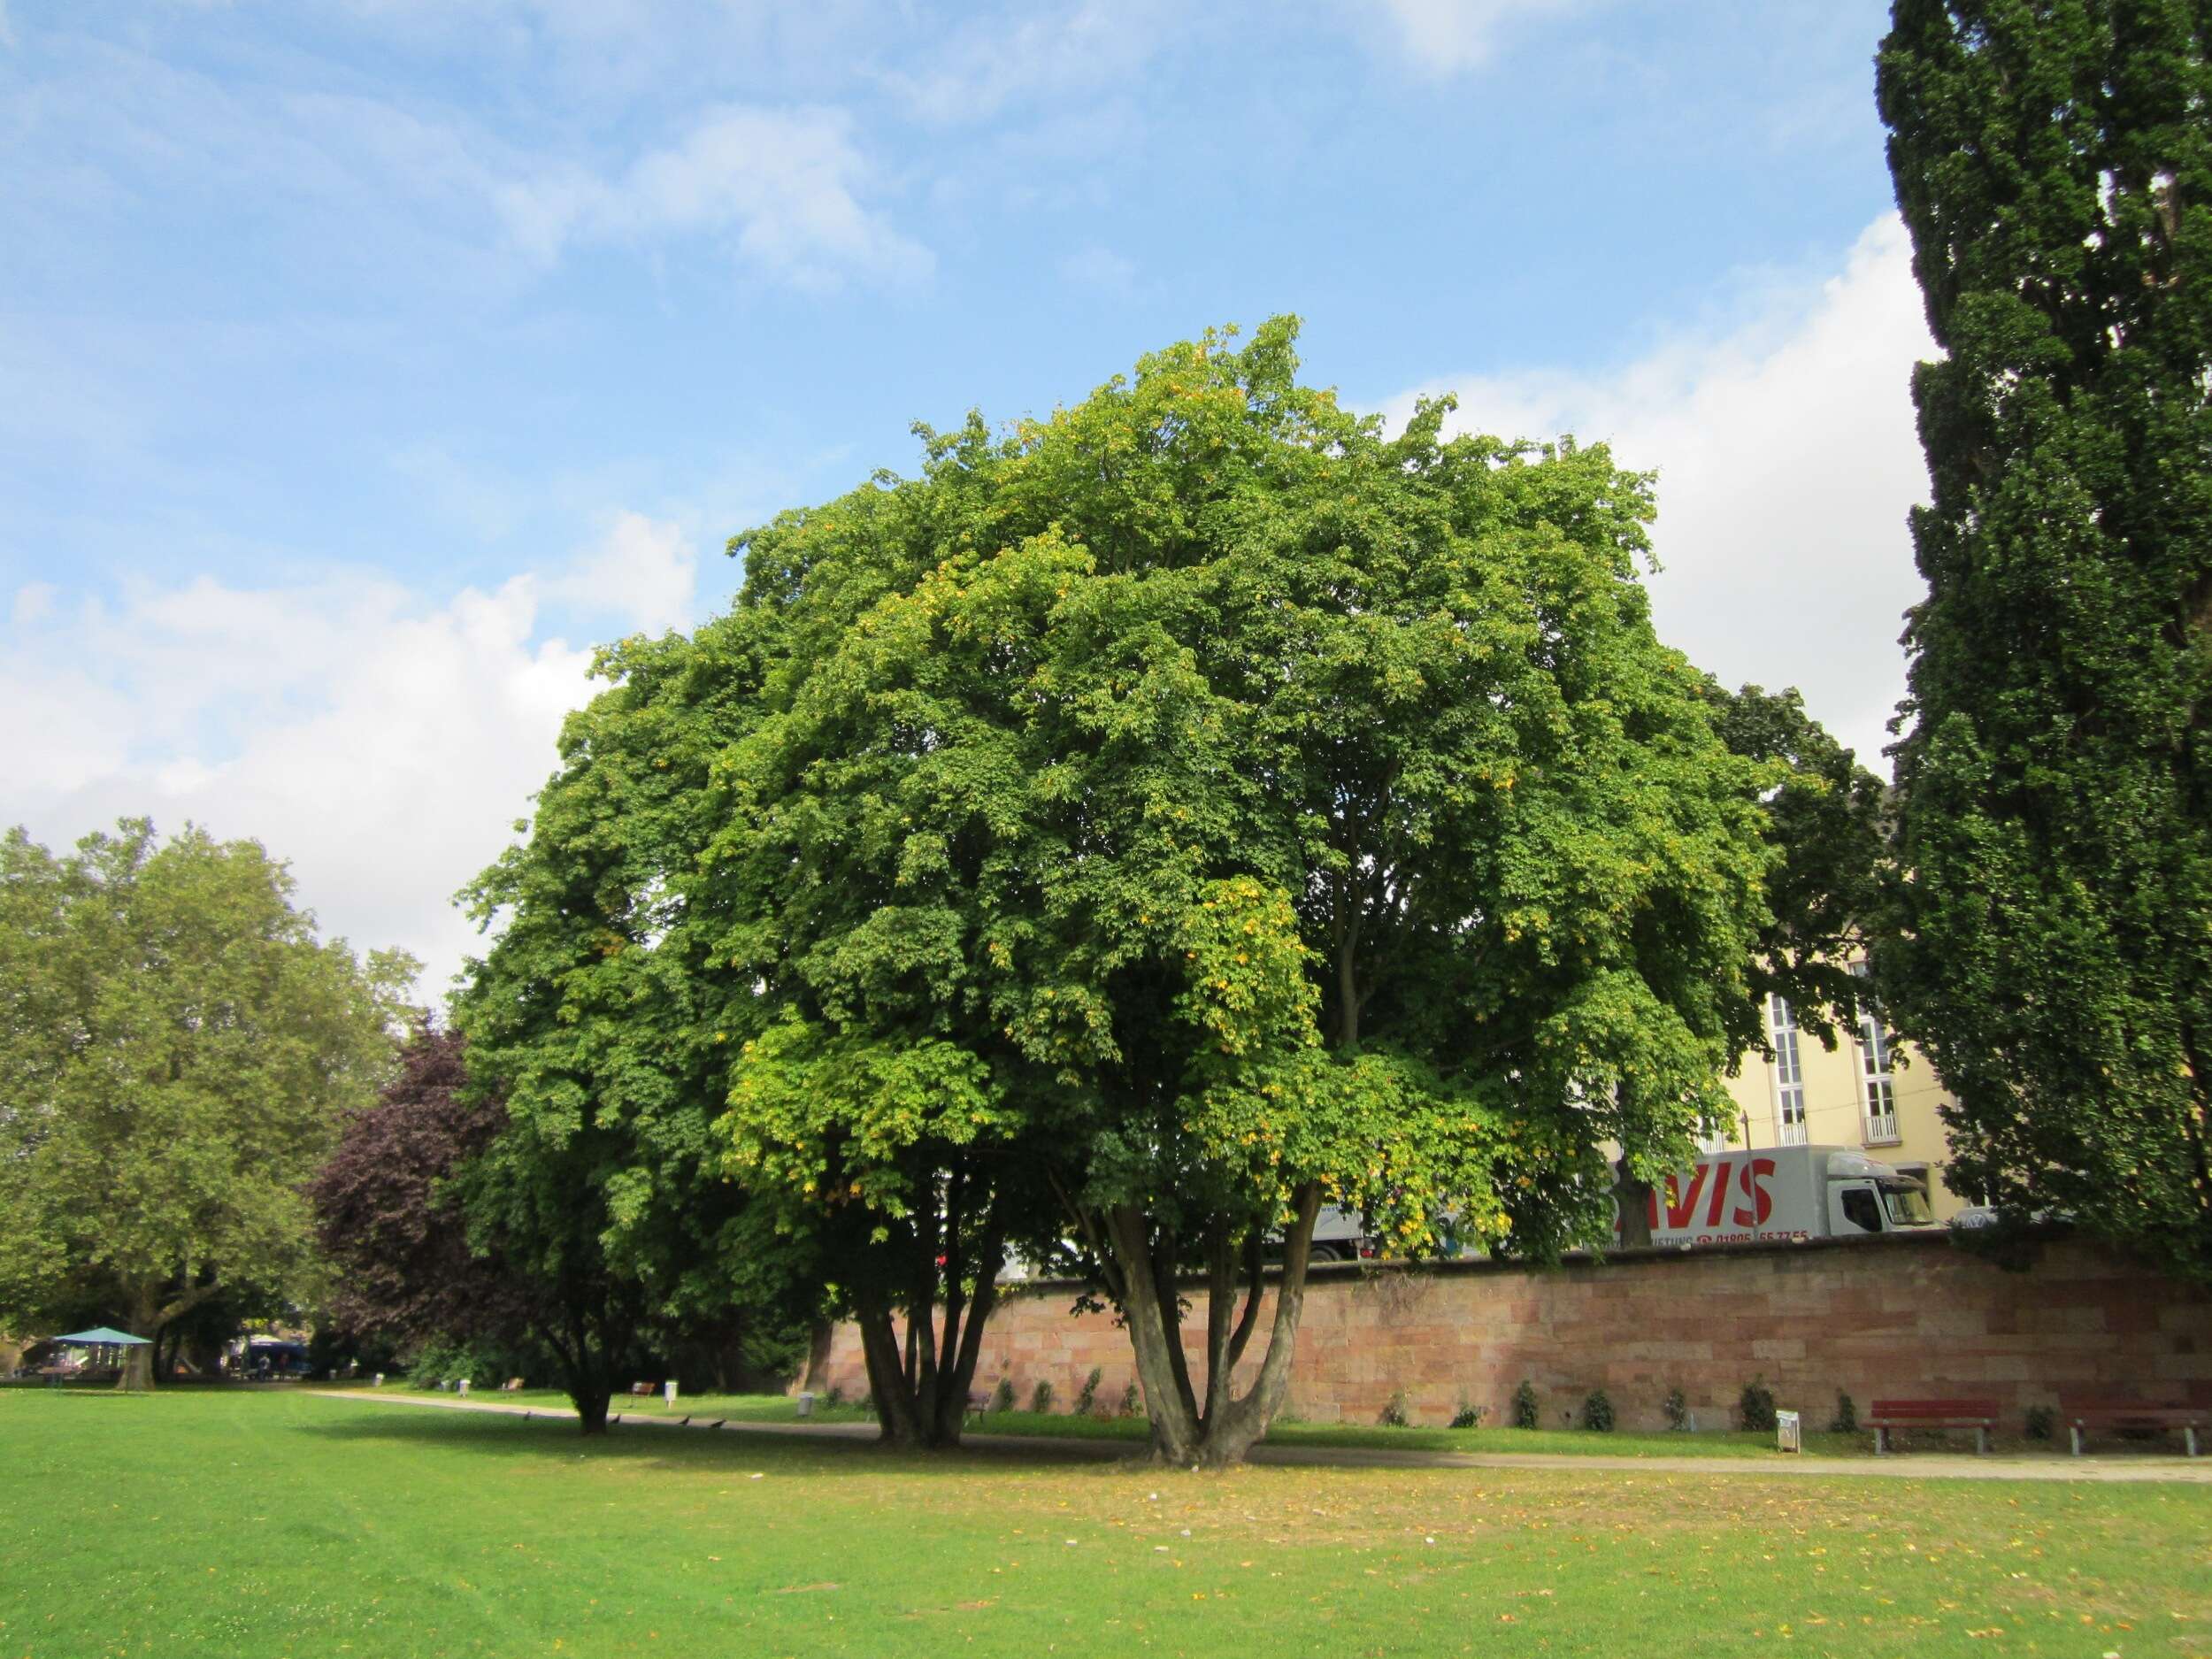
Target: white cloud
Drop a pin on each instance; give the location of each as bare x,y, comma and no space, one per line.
784,182
999,59
381,185
34,601
1444,37
1787,460
1100,270
381,744
783,185
643,571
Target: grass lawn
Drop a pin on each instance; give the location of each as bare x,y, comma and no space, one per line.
275,1523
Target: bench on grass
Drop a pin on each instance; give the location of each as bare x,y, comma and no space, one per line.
645,1388
2084,1412
1978,1415
978,1402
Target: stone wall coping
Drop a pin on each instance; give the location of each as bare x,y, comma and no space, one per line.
1930,1237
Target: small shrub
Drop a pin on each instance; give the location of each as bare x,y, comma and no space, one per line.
1755,1406
1040,1396
1394,1414
1527,1409
1468,1416
834,1397
2042,1423
1130,1400
1846,1415
1597,1411
1002,1396
1087,1397
447,1364
1677,1409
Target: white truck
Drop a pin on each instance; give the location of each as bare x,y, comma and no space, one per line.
1784,1194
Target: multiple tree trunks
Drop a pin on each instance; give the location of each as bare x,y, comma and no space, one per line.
1223,1427
923,1388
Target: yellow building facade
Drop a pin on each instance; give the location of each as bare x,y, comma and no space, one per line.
1870,1093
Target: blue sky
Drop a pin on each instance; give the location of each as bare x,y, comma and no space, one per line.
362,361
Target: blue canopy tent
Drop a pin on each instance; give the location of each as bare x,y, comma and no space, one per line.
107,1344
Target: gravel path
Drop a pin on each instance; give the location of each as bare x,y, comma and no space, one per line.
1903,1465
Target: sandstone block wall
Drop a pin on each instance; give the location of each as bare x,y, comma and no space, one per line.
1902,1316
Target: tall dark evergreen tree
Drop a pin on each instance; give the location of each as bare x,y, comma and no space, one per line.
2054,162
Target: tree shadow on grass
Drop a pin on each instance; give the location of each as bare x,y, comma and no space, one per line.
737,1448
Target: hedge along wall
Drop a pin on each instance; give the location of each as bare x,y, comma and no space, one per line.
1907,1315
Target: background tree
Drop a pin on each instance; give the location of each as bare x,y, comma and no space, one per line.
390,1222
1235,809
1825,820
590,1016
2053,163
177,1052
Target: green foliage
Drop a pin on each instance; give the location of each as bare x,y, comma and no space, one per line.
1755,1406
1040,1396
1200,804
1132,1402
1087,1398
1826,822
1846,1418
593,1015
1527,1408
486,1364
1676,1408
1002,1396
2040,1424
1597,1411
177,1052
1396,1413
2054,857
1468,1416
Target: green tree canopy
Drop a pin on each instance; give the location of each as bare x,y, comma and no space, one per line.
179,1049
2052,159
1201,805
591,1017
1827,822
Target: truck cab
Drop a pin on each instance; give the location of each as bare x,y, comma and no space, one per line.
1867,1195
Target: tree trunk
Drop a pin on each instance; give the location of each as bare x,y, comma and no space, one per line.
1634,1195
921,1392
137,1373
1230,1425
591,1401
887,1375
820,1335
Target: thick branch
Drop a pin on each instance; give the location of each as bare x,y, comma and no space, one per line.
1249,1320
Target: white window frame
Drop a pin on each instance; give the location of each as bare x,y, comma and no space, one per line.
1789,1073
1878,1086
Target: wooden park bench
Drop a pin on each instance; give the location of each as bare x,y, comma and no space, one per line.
1978,1415
2084,1412
645,1388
